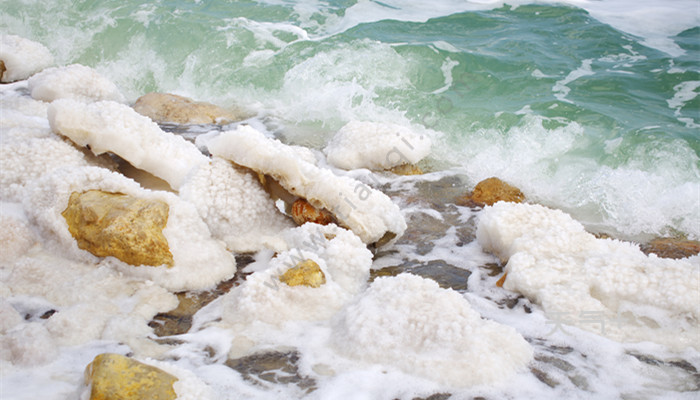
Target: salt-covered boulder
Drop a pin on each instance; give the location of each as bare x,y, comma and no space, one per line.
342,259
110,126
369,213
121,226
610,287
199,261
77,82
171,108
22,58
303,212
376,146
235,206
116,377
306,273
490,191
412,324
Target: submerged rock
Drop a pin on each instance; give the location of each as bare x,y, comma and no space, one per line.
672,248
116,377
406,169
121,226
490,191
165,107
306,273
303,212
275,367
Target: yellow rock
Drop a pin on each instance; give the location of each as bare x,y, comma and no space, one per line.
303,212
121,226
406,169
116,377
306,273
165,107
490,191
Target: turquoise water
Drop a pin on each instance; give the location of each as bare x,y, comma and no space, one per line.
594,111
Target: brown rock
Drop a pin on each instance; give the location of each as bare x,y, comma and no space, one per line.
2,70
306,273
672,248
116,377
121,226
165,107
490,191
303,212
406,169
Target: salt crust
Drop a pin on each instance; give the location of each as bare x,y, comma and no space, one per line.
367,212
110,126
553,261
16,236
22,57
343,258
236,208
376,146
413,324
200,261
77,82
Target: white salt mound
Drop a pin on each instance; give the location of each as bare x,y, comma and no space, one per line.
16,236
235,206
612,286
369,213
110,126
376,146
412,324
77,82
343,258
200,262
22,57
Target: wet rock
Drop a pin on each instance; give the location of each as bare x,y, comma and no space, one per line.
303,212
406,169
2,70
446,275
544,378
121,226
116,377
672,247
306,273
165,107
274,367
490,191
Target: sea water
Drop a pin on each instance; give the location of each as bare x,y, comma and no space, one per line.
590,107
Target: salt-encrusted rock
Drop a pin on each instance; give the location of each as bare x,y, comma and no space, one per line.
340,255
609,286
370,214
29,344
672,248
77,82
412,324
199,261
376,146
490,191
165,107
22,58
16,236
111,126
306,273
303,212
116,377
232,202
121,226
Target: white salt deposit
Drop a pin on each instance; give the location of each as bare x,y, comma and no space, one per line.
623,293
367,212
199,261
411,323
22,57
235,206
110,126
376,146
343,258
77,82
